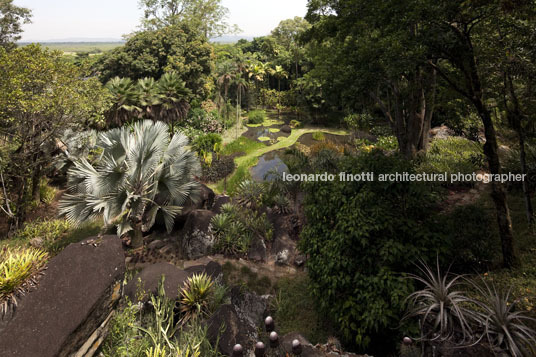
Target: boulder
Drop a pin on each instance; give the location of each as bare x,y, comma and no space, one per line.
146,282
257,250
308,349
250,307
76,294
286,129
219,201
441,132
212,269
196,239
235,330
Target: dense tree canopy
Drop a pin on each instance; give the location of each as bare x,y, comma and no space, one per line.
12,18
152,53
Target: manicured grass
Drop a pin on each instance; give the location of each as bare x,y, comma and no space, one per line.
241,145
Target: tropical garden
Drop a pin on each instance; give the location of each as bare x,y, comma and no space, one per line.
136,141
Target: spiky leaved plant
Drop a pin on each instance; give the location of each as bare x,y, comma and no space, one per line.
441,307
504,327
141,173
18,272
249,193
194,297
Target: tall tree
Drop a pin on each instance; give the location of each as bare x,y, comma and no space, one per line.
12,18
287,34
41,95
207,15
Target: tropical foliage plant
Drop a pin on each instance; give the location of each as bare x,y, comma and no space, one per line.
142,172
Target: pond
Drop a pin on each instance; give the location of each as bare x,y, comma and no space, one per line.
268,163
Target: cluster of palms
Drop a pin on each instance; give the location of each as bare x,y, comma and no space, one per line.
166,99
243,74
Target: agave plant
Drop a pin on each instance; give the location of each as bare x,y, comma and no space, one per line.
195,296
441,306
505,328
18,272
250,193
141,173
219,223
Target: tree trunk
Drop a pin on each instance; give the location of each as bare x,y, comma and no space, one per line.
136,237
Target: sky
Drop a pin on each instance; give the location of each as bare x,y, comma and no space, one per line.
110,19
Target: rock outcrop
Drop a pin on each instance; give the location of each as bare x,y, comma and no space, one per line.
75,295
196,240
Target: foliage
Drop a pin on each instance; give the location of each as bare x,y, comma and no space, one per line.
359,237
207,143
18,270
47,230
207,16
256,116
358,122
219,169
194,297
465,254
177,48
512,163
235,228
319,136
141,173
12,17
453,155
241,145
504,327
41,95
441,307
137,333
295,310
387,143
206,122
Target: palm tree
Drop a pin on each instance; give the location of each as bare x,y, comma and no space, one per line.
125,99
148,97
225,77
241,85
257,72
174,98
279,73
142,172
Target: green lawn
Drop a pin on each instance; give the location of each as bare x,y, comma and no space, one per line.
253,152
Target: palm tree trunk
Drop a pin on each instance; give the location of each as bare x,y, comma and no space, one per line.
137,238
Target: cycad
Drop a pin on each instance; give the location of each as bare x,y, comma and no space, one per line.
174,98
125,100
149,97
141,172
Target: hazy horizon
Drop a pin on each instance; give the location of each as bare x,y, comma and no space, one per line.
57,20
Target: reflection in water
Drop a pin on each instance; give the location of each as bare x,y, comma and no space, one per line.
268,163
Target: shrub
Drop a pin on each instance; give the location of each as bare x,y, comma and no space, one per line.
319,136
477,252
359,237
46,192
207,143
194,297
387,143
219,168
18,270
256,116
359,121
295,124
453,155
235,227
207,122
49,231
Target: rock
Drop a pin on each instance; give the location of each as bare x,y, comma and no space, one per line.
257,250
307,347
250,307
286,129
504,151
204,199
300,260
156,244
236,331
75,295
219,201
37,242
441,132
196,239
212,269
167,250
282,257
150,277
